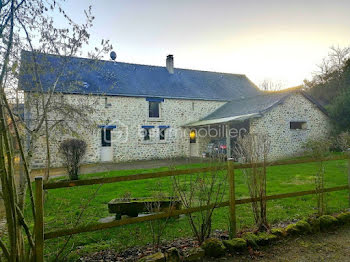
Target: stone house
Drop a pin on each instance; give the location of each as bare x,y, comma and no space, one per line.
151,112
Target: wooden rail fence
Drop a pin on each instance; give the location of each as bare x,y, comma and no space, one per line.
41,235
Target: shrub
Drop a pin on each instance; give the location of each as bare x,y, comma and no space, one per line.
201,189
252,149
319,149
342,141
73,150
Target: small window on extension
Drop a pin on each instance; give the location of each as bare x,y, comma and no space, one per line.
153,109
298,125
106,137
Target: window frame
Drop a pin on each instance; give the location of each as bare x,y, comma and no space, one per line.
149,109
163,129
162,137
146,133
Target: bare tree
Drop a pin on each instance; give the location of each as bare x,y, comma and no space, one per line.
22,23
319,149
204,189
332,66
269,85
254,149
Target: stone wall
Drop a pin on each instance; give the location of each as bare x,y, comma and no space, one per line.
129,114
286,142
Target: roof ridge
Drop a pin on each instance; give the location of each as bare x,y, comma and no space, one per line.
261,95
135,64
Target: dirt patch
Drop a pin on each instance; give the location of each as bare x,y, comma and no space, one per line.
331,246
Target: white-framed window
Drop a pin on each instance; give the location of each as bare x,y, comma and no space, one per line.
163,133
154,107
298,125
147,133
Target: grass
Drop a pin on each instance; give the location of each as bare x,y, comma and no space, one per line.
63,206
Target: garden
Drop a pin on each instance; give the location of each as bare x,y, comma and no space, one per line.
83,205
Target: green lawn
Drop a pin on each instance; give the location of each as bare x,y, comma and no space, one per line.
63,206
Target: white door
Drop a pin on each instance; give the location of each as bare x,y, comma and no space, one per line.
106,145
107,154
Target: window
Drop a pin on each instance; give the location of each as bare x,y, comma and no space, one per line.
106,103
162,134
299,125
147,132
106,137
153,109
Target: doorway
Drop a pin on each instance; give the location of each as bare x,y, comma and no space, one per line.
106,144
193,144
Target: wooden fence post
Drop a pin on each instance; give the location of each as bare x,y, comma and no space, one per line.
232,195
39,220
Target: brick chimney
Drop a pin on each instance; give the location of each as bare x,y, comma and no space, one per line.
170,64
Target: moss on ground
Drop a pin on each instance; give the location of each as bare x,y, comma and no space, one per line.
235,244
213,247
327,222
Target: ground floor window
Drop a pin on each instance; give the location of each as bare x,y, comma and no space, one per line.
162,132
147,132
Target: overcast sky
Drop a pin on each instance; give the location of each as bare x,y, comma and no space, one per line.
274,39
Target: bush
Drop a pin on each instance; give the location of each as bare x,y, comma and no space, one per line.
73,151
342,142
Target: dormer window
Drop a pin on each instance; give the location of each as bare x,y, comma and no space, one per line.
154,106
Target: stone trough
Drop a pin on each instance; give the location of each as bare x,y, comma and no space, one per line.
133,206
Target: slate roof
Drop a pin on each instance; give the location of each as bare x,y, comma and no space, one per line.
85,76
243,109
